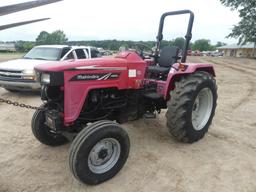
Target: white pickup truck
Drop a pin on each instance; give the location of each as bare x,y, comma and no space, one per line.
18,75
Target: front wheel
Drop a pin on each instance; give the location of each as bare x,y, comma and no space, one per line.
192,106
43,133
99,152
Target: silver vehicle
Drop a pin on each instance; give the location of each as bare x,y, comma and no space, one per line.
17,75
216,54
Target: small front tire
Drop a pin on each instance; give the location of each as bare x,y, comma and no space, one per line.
99,152
43,133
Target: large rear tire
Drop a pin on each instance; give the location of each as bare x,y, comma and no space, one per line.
43,133
192,106
99,152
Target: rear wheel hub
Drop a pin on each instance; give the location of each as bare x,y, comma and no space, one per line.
202,108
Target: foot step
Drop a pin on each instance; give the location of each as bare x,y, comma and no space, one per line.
153,95
149,115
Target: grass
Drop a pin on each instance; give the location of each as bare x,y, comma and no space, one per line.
9,56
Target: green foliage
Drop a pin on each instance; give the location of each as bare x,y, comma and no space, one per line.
220,44
191,45
245,30
203,45
179,42
58,37
42,38
115,44
55,38
24,46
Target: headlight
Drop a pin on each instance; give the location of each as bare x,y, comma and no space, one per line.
28,74
45,78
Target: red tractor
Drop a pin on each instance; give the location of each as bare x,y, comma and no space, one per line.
85,100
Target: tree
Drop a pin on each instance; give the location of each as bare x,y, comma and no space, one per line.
191,45
220,44
56,37
24,46
179,42
42,38
245,30
202,45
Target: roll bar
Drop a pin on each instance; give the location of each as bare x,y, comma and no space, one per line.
188,36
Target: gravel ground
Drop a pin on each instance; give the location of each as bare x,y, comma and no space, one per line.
225,160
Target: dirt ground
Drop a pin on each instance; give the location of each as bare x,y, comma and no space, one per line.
224,161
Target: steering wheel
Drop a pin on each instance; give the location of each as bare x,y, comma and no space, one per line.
140,47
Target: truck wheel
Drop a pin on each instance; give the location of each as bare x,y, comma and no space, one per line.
99,152
192,106
43,133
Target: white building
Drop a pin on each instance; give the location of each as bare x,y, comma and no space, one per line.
235,50
7,47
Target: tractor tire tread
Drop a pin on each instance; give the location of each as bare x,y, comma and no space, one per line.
178,105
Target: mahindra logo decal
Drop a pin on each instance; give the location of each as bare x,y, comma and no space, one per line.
98,76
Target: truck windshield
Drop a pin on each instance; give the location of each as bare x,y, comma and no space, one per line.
44,53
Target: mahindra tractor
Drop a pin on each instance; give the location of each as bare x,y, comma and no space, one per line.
85,101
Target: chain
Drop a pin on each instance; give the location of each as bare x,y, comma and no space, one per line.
17,104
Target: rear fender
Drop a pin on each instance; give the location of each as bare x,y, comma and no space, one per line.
175,75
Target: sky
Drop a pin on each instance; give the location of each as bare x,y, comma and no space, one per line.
122,20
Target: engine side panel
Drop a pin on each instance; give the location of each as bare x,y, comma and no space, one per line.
78,82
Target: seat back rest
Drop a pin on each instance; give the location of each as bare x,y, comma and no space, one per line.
168,56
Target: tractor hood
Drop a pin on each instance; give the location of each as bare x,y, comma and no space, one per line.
120,60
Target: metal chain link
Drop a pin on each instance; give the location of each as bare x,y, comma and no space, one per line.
17,104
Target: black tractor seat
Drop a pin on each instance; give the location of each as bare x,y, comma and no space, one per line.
168,56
